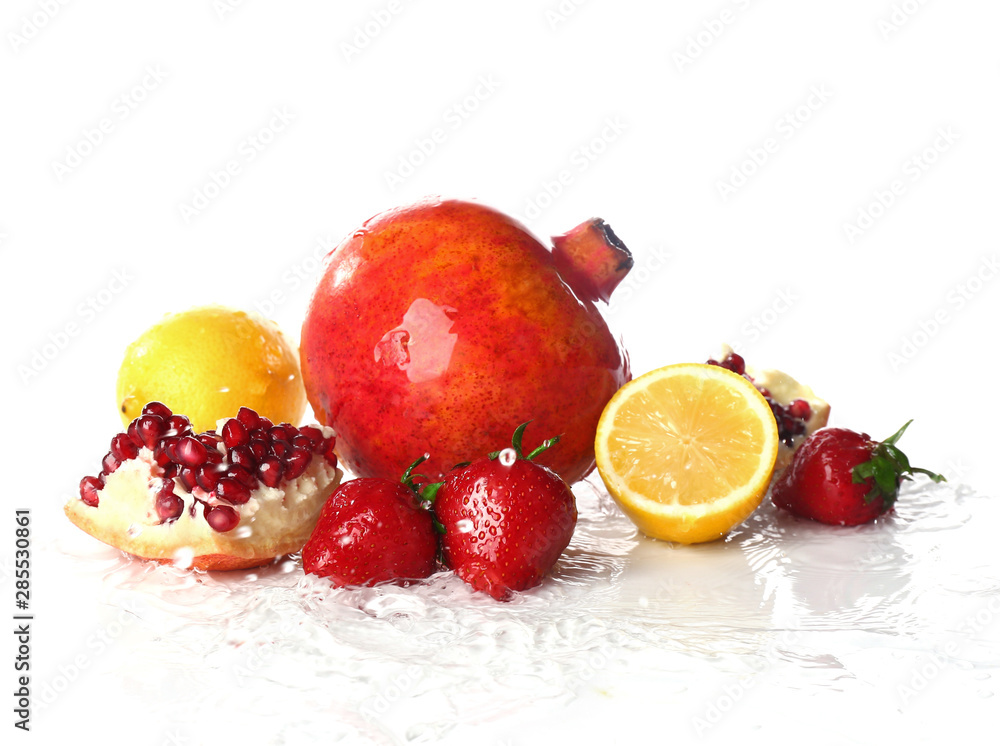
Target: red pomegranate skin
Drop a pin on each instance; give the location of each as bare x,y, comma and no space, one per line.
439,328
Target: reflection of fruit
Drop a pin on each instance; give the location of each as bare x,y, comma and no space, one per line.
370,531
506,520
687,451
217,501
797,409
441,326
844,478
208,362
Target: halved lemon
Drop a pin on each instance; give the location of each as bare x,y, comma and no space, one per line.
687,451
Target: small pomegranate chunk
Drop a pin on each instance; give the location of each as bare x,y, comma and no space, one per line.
228,465
791,420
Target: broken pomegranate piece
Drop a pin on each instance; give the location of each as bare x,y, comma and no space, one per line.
796,408
236,500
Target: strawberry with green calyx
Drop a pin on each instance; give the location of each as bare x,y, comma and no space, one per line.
505,520
844,478
373,530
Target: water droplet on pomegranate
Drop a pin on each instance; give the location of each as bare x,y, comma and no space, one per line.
507,457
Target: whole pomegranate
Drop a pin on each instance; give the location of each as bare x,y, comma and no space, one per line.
440,327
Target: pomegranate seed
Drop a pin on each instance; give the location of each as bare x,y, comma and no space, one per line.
270,470
89,487
150,428
110,464
160,455
328,452
284,431
171,470
158,408
213,457
187,478
123,448
169,447
265,425
314,434
222,518
133,433
800,408
243,475
190,451
168,505
296,462
259,448
207,476
735,363
178,424
232,491
280,448
235,434
243,456
765,393
301,441
248,418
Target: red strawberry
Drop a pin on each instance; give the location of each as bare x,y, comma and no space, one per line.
844,478
370,531
505,519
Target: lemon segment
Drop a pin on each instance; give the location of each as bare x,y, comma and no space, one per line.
687,451
208,362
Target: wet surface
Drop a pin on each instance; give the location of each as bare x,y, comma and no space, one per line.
783,605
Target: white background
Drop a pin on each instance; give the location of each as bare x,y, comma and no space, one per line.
644,110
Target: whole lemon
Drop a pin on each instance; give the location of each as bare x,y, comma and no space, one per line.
208,362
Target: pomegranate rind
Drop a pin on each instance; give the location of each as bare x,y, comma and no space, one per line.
274,522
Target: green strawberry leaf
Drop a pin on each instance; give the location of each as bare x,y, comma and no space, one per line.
887,467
